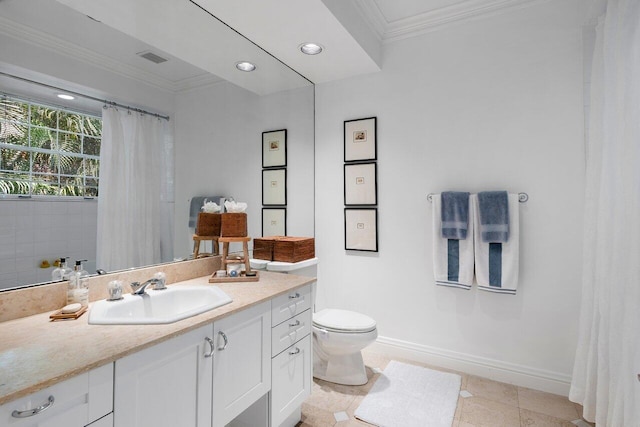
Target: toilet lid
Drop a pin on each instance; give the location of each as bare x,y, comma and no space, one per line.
343,320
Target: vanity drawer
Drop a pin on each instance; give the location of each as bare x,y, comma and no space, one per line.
290,304
288,333
73,402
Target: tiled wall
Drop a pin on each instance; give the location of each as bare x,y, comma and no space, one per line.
33,230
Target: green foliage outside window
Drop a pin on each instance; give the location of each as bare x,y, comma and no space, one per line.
48,151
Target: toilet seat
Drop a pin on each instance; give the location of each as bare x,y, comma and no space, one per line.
345,321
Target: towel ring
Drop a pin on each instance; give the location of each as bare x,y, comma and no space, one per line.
522,197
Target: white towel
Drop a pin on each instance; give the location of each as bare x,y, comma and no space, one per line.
452,259
497,264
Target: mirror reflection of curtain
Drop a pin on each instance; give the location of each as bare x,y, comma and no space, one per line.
607,364
135,199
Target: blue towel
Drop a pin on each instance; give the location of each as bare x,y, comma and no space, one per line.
455,214
493,207
497,264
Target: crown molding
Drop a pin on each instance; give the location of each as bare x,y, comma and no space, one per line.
197,82
433,19
70,50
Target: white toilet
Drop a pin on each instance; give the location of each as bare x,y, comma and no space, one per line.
338,337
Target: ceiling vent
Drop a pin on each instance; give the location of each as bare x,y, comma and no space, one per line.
148,55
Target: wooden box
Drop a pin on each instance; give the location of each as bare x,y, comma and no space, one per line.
233,224
293,249
208,224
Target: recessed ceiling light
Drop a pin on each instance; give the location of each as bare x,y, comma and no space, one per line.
310,48
65,96
245,66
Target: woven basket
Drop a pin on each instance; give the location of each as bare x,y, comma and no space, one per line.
208,224
233,224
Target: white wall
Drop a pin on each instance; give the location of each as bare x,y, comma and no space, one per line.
218,146
493,103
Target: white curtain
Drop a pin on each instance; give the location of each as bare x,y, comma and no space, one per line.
607,360
135,203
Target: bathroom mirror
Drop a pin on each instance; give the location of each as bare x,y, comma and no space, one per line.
217,121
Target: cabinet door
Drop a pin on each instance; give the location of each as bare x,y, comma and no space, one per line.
242,362
291,376
168,384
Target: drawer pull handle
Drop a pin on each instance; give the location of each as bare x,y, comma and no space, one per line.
34,411
294,324
211,347
296,351
226,341
296,296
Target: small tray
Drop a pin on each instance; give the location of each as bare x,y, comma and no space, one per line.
58,315
241,278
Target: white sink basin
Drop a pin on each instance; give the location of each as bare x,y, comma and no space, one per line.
165,306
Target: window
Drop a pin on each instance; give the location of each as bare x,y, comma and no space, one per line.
46,150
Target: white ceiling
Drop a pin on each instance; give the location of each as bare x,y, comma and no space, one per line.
201,49
71,30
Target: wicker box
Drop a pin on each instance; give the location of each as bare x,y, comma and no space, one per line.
233,224
208,224
293,249
263,247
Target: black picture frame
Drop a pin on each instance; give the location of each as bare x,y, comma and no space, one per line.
281,215
361,184
274,148
360,140
274,187
361,229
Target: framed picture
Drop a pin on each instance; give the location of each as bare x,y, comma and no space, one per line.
361,229
360,140
360,186
274,148
274,221
274,187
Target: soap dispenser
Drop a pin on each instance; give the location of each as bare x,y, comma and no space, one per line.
62,272
78,291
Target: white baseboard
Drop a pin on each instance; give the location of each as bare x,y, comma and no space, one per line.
523,376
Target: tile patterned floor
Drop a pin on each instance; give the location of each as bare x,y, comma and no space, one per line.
487,403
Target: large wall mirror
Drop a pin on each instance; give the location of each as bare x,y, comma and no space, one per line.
217,115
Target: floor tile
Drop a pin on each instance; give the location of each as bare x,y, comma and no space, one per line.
547,403
465,394
492,390
315,417
327,398
375,360
340,416
534,419
491,404
482,412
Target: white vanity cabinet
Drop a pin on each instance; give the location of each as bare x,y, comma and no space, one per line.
241,362
291,374
166,385
78,401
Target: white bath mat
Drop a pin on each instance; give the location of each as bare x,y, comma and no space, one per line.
411,396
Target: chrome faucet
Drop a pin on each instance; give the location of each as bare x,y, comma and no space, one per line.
140,289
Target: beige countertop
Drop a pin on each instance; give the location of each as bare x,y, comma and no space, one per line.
36,353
